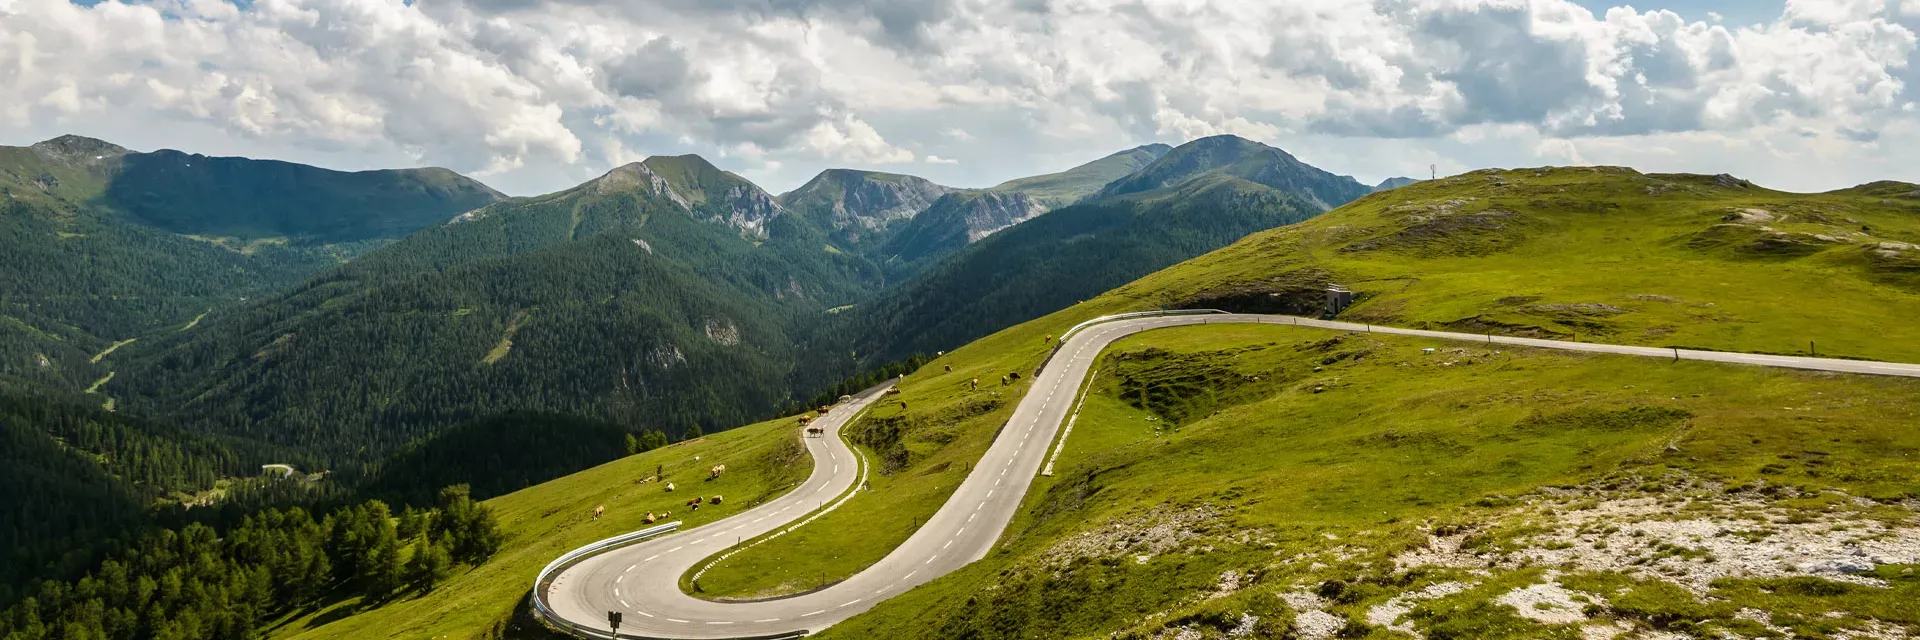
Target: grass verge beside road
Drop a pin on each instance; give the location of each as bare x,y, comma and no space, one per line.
544,521
1229,472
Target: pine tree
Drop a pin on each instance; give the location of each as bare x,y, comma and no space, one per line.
430,565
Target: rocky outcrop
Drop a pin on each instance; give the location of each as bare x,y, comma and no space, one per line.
747,208
991,211
80,149
636,176
845,199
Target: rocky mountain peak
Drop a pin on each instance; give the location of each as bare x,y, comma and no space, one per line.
866,200
79,148
637,175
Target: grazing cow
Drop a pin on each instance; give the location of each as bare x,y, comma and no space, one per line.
903,405
1003,381
805,419
949,368
669,486
715,500
816,432
598,511
715,472
1049,338
1015,375
974,385
893,391
649,519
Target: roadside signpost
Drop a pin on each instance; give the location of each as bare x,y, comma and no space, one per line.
613,618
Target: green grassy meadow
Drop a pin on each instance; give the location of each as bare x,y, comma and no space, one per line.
1601,254
544,521
1294,442
1295,458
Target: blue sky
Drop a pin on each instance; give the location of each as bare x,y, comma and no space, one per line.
1735,12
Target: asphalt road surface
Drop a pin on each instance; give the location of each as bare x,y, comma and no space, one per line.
642,581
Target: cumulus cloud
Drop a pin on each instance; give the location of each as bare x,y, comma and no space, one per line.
535,93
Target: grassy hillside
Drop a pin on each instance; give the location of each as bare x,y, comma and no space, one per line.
1268,479
1063,188
1602,253
1546,419
547,520
1260,481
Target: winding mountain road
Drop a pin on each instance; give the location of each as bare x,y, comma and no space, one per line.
642,580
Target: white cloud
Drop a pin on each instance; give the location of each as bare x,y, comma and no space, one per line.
534,94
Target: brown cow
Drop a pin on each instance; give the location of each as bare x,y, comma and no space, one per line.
716,471
598,511
816,432
649,519
805,419
949,368
716,500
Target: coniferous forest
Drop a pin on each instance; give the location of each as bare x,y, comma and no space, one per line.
232,390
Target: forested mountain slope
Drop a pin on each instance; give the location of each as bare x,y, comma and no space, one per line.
99,244
949,225
1236,157
663,295
1064,188
1074,253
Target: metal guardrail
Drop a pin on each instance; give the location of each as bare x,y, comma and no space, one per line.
1137,314
540,608
1057,344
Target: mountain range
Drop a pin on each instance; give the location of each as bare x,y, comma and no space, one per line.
338,320
666,294
99,244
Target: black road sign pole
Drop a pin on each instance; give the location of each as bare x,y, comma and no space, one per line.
613,619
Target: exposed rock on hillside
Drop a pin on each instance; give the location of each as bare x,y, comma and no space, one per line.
862,202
